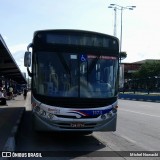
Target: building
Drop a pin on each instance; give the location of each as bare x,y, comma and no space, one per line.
126,71
130,68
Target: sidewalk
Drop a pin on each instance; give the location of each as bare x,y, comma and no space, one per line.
10,117
17,102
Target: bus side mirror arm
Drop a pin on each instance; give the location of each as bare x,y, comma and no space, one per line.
29,72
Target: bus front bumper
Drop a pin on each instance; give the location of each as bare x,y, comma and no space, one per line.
65,124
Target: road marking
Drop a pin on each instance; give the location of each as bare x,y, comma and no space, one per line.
139,113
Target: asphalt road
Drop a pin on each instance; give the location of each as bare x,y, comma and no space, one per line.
139,123
137,130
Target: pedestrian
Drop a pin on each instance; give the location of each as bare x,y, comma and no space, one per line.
2,98
25,93
10,92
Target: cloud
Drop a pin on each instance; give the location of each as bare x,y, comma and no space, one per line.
17,52
18,47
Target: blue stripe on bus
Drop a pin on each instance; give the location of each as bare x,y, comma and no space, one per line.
91,112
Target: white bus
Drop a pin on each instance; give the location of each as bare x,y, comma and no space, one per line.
74,80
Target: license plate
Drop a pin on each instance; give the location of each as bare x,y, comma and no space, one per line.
77,125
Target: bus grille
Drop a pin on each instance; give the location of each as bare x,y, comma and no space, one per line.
74,117
68,126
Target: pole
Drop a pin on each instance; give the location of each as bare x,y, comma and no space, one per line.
115,21
121,34
121,8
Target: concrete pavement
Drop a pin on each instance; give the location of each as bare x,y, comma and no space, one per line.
17,102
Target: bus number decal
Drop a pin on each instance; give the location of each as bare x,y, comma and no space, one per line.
97,112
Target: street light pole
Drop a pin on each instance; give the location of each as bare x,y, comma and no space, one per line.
121,34
121,8
115,20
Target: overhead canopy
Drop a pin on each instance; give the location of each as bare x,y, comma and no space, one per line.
8,67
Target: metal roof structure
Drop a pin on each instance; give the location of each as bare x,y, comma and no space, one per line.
8,66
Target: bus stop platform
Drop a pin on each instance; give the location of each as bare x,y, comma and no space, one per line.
10,118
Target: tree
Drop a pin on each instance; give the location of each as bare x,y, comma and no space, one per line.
123,55
147,74
148,69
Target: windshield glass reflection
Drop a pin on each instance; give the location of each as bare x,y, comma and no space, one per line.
75,75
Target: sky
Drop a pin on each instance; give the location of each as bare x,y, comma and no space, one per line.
141,26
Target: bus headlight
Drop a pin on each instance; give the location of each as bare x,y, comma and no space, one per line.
50,115
37,109
114,110
103,116
42,112
109,114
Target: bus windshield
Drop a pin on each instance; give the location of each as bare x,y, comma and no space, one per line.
84,75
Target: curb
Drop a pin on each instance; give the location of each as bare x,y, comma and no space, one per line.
139,98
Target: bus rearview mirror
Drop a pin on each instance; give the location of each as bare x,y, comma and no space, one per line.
27,59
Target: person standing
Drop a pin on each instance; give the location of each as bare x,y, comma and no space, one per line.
25,93
2,98
10,92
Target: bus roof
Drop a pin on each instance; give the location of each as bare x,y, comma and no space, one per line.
71,31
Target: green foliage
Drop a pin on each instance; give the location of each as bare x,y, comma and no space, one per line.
123,55
148,69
